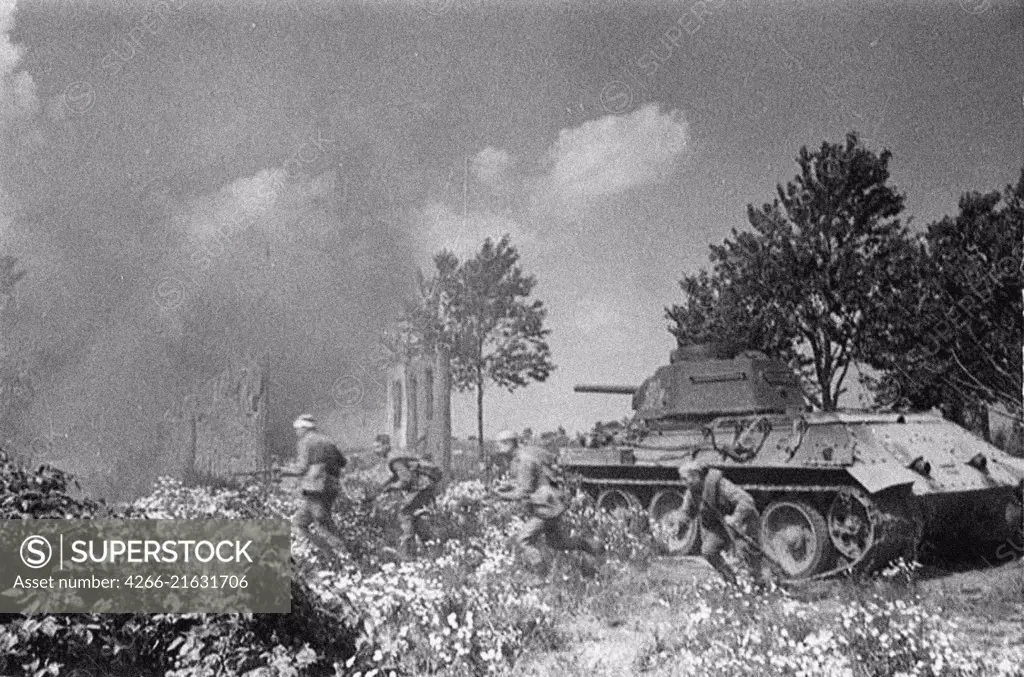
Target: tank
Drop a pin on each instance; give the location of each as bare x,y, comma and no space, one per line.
845,491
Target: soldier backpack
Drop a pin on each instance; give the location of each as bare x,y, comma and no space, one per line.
547,499
425,474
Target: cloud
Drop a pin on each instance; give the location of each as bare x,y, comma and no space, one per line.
491,165
597,315
439,226
602,157
614,154
271,199
17,89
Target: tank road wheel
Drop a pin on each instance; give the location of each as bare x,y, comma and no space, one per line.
849,524
617,502
664,511
795,535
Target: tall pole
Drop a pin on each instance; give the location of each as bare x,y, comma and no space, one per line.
264,419
443,410
465,194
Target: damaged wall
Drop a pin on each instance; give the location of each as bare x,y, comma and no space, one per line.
419,406
220,429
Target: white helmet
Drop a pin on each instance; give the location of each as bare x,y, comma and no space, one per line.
304,421
692,469
507,436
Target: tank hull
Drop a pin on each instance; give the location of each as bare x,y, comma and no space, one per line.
879,485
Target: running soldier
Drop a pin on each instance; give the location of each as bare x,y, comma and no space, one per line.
319,462
380,474
535,478
419,480
725,513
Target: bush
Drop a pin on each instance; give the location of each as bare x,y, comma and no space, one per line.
310,637
467,609
45,493
732,632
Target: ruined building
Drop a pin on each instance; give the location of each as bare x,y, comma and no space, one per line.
419,406
219,430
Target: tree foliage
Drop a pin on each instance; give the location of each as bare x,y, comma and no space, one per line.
480,310
811,283
958,344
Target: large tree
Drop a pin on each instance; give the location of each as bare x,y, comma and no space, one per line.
958,346
813,281
481,312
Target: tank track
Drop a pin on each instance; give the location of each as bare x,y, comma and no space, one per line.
897,526
897,521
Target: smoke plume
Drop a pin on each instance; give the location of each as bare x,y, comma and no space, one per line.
152,265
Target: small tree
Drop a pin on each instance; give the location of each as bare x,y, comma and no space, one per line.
497,333
479,311
426,323
812,283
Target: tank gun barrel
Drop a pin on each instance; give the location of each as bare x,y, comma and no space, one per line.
606,390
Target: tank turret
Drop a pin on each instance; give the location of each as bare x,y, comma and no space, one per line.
703,382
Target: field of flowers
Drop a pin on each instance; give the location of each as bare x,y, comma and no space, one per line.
864,633
467,607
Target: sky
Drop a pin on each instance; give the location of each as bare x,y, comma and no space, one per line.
612,142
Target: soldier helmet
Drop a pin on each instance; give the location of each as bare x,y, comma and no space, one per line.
304,422
507,436
693,469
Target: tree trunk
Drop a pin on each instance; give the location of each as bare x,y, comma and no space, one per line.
480,423
824,387
975,419
828,399
825,372
443,411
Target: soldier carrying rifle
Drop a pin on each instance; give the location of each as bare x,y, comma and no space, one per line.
319,462
534,476
725,513
418,479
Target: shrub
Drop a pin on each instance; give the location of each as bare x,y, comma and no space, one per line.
45,493
176,644
734,633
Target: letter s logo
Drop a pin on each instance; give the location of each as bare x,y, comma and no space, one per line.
36,552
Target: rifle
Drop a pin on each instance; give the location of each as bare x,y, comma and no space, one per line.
779,569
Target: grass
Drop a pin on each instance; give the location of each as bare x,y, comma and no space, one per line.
657,623
470,609
989,592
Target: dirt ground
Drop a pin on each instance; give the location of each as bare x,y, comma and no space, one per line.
614,639
988,602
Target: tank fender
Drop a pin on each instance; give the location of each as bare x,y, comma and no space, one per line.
875,478
1012,465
